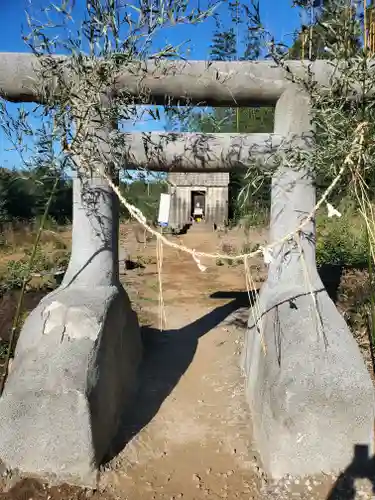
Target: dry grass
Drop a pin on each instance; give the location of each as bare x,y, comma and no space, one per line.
17,239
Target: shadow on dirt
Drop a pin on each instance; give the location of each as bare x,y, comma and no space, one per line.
240,317
331,276
167,356
361,467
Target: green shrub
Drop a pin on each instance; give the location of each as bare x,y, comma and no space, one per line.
18,270
341,241
250,247
258,215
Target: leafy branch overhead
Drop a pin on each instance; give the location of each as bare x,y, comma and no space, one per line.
113,36
118,38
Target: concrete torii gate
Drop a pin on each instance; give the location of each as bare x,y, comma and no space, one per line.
76,361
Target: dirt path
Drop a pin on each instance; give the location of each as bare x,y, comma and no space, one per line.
198,443
188,435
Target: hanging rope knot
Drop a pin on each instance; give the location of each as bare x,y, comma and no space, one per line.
332,212
267,254
201,267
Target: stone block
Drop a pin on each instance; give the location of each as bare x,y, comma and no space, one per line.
310,394
74,372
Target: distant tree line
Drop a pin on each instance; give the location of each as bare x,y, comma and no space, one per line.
24,195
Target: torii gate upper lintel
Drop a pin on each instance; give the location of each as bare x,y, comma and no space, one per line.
241,83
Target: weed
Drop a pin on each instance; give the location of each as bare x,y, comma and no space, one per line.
250,248
143,260
258,216
18,271
342,241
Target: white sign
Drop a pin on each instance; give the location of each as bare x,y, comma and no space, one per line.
164,207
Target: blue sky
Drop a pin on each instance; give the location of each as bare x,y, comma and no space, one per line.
277,15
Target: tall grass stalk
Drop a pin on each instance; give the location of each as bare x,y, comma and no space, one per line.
17,316
371,316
